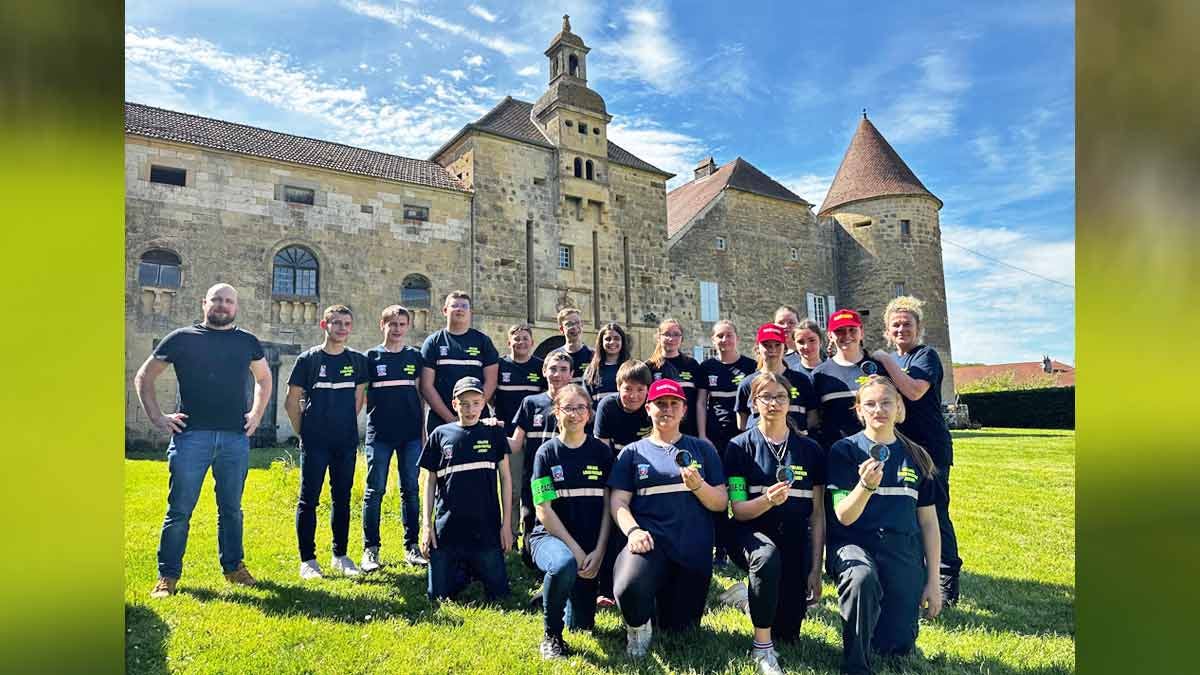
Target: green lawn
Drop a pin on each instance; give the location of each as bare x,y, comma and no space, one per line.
1014,507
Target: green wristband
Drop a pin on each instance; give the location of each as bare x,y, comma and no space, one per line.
543,490
737,488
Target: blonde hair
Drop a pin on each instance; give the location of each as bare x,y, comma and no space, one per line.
918,454
394,312
565,312
903,303
658,357
518,327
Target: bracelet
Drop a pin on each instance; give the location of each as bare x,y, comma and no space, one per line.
864,486
632,529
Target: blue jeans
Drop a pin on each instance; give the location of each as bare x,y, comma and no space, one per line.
315,459
451,569
189,456
565,597
379,458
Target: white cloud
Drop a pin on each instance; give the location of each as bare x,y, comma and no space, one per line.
401,16
646,51
473,60
810,186
927,108
668,150
529,71
483,13
456,74
411,122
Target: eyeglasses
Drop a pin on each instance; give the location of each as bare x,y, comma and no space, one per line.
872,406
573,409
572,324
778,399
673,335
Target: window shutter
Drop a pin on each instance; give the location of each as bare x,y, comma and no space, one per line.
832,304
698,353
810,302
709,304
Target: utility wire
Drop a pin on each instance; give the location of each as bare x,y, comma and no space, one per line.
1001,262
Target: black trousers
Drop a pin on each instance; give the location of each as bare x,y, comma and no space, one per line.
315,459
951,564
778,568
650,585
879,582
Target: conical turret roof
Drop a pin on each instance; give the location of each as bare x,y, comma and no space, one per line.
871,168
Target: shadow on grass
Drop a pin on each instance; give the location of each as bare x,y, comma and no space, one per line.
1016,606
963,433
145,641
260,458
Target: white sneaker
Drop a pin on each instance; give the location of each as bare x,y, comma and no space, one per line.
736,596
767,661
638,640
370,559
344,565
309,569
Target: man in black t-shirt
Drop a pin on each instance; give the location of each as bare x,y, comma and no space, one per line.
520,376
570,324
332,380
212,427
394,426
452,353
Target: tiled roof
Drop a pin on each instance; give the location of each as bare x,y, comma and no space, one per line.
1064,375
687,200
511,119
144,120
871,168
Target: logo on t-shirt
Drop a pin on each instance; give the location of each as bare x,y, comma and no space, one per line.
657,376
643,471
321,373
447,451
347,370
537,420
410,368
473,351
712,380
907,474
482,445
685,375
737,379
592,472
557,472
793,392
443,350
533,377
380,370
506,377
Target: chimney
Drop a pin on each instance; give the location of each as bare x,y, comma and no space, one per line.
705,168
1047,365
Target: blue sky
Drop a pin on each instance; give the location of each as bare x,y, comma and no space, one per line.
977,98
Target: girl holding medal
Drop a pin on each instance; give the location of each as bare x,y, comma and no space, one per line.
776,484
837,378
883,494
665,489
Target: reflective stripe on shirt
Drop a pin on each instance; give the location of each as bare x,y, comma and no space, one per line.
469,466
837,394
335,385
459,362
394,383
663,489
580,492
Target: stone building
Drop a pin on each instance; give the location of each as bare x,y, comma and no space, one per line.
531,208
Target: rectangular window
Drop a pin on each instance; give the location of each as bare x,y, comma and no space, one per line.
168,175
795,253
899,289
905,228
818,308
367,208
417,213
306,282
282,284
298,195
148,274
710,306
566,257
582,128
721,243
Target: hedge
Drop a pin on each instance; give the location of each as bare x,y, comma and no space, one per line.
1050,408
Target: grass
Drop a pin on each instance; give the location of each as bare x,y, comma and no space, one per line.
1013,505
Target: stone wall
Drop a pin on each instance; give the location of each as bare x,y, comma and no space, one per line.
874,256
228,223
755,273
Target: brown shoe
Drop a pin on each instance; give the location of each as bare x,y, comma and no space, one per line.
164,588
240,576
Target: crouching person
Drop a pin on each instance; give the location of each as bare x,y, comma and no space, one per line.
466,528
570,474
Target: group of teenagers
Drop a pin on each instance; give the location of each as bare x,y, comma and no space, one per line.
625,481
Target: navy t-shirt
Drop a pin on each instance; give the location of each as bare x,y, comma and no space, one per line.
329,382
393,397
663,505
893,506
616,424
466,461
835,386
801,399
515,382
606,382
579,361
722,380
686,371
572,480
923,421
792,360
213,369
453,357
750,465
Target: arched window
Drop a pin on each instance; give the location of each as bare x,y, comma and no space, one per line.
414,292
295,273
590,171
573,65
159,268
578,168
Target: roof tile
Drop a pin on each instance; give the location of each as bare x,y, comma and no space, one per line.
687,200
871,168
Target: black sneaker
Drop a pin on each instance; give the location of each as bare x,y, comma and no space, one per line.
553,647
949,585
412,556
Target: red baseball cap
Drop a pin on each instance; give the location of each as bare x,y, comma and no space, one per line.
770,331
665,387
843,318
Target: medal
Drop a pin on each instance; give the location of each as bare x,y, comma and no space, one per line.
880,452
784,474
868,367
683,458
